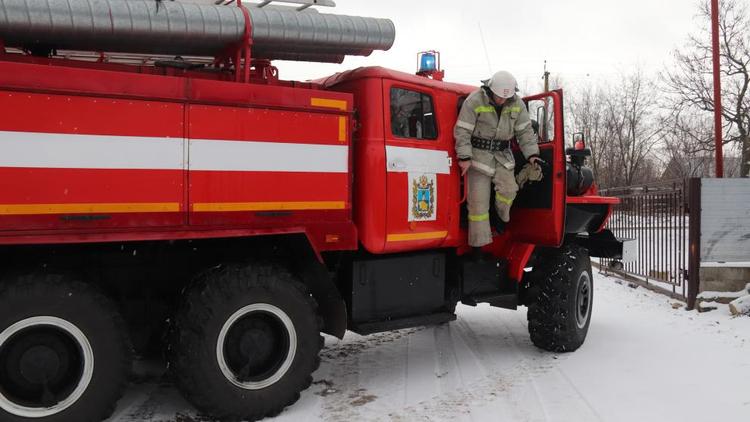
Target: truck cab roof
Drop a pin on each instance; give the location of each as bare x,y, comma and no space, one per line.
382,72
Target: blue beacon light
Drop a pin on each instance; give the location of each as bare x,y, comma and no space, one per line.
427,62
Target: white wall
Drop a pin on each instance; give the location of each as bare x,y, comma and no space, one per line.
725,220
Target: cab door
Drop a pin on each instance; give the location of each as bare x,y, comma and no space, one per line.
419,172
538,213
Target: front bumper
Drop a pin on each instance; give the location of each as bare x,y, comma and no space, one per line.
605,245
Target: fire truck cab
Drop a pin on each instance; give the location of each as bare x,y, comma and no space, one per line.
405,130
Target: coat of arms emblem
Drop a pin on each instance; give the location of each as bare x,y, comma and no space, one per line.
423,201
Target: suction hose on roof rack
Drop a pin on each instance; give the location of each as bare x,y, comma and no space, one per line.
150,27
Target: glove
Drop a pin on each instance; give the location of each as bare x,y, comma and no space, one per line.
529,173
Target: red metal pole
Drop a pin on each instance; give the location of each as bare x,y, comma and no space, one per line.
238,63
717,89
246,42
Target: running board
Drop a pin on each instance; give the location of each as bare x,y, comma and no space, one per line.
398,324
503,300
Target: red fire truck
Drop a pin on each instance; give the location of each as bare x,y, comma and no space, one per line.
200,206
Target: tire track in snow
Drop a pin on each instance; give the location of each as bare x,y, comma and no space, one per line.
548,384
352,366
492,381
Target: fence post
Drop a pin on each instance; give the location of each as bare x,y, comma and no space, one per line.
694,241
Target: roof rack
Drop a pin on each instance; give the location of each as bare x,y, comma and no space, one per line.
304,4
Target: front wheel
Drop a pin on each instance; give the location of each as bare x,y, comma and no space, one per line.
246,341
561,297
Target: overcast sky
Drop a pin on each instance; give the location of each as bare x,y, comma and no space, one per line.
582,40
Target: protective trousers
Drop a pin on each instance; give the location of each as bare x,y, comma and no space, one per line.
478,199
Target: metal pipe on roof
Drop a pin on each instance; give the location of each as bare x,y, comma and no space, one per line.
148,27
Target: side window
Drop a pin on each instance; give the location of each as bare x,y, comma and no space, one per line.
412,114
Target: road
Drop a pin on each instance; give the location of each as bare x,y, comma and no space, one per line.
642,361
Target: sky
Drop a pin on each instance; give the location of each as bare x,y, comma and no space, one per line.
582,41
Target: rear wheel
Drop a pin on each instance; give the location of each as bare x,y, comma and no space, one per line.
245,341
64,353
560,298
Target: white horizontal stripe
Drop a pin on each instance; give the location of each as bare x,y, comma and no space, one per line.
62,150
267,156
465,125
484,168
417,160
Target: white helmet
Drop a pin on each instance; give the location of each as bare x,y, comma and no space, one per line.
502,84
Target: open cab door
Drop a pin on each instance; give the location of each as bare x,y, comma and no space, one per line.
538,213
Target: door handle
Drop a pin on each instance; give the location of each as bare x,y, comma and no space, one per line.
397,165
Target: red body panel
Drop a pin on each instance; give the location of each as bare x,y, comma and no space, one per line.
266,187
87,186
91,193
52,115
369,162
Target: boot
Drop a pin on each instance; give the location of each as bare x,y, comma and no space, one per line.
500,226
477,255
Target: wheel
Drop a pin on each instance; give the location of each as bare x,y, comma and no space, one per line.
64,352
561,298
245,341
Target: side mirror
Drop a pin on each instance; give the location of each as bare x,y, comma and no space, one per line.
541,118
573,152
579,142
579,152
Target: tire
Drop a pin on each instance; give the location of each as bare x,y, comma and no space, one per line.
561,299
67,336
245,341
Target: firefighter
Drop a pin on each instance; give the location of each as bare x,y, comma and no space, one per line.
489,118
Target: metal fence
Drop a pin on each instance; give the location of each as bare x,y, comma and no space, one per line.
657,215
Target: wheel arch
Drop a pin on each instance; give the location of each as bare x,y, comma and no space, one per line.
307,264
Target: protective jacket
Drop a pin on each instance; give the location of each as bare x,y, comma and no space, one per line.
481,122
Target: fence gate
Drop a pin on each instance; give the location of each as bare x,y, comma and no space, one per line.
657,216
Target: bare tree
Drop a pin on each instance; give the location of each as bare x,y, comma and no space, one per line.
684,144
630,123
619,123
689,84
586,108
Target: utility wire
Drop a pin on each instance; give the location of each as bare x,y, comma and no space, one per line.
484,45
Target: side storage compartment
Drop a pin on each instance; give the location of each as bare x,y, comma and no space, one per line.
85,162
398,291
269,166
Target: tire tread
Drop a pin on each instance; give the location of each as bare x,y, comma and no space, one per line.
549,325
220,283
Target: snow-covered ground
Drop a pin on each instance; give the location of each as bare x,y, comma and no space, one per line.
642,361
